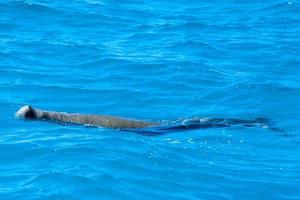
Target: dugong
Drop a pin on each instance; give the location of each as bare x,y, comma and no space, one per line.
147,127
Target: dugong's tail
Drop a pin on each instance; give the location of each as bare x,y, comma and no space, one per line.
204,123
196,123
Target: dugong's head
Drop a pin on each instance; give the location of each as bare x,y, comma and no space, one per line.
26,112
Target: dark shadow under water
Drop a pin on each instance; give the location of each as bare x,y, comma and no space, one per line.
204,123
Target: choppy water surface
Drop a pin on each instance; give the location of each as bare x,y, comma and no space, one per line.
156,60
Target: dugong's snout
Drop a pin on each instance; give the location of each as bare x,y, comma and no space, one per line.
26,112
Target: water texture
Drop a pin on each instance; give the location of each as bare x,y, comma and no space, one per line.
153,60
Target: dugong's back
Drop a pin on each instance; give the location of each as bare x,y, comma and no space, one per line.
27,112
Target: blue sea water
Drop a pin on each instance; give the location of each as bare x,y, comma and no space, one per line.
153,60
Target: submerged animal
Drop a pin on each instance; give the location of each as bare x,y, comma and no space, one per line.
106,121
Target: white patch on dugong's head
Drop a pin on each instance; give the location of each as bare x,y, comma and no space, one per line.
26,112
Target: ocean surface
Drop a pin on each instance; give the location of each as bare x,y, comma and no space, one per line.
158,61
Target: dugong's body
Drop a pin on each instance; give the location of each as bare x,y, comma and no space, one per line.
27,112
